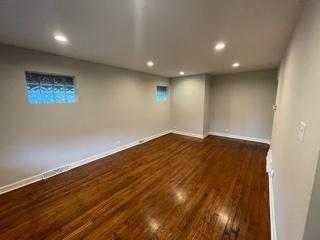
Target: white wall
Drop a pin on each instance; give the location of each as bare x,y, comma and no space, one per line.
114,105
241,103
187,102
298,100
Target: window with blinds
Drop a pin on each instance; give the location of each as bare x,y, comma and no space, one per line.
44,88
162,93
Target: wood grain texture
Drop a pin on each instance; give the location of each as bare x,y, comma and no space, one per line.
173,187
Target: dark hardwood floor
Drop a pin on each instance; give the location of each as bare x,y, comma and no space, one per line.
173,187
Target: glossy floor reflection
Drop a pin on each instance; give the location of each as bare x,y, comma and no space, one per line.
173,187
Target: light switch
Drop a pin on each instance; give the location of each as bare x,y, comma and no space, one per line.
302,130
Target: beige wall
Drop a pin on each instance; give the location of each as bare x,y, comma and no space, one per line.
298,100
206,117
116,107
241,103
312,229
187,102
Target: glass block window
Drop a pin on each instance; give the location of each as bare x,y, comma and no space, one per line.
44,88
162,93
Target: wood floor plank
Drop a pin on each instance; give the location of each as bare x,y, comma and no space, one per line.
173,187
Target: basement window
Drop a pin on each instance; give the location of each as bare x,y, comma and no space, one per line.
162,93
46,88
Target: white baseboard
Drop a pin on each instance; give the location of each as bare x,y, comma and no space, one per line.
21,183
195,135
64,168
228,135
206,135
269,169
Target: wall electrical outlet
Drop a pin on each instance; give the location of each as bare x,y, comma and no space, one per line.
302,130
226,130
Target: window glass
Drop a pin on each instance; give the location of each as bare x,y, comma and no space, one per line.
50,89
162,93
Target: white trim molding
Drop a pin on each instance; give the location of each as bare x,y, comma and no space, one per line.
195,135
64,168
270,171
228,135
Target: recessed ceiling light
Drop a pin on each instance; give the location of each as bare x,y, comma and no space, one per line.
236,64
150,64
61,38
181,73
219,46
